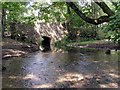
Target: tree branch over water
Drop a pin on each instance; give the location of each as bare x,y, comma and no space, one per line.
97,21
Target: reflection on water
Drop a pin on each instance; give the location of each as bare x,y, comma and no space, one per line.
72,68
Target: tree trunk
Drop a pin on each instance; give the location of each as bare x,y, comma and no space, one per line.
71,31
3,21
13,30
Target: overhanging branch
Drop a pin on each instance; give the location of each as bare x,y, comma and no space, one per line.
104,7
97,21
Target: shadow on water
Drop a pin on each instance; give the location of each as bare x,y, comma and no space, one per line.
72,68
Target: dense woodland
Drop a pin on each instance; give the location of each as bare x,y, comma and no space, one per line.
95,20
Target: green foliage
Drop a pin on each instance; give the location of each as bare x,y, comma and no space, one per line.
113,27
50,12
100,33
27,12
63,43
14,10
88,33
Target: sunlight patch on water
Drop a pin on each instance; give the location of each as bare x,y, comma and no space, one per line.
12,77
110,85
114,75
43,86
70,77
30,76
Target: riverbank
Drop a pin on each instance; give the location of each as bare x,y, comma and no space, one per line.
13,48
98,44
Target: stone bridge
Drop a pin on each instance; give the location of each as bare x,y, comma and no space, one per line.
51,32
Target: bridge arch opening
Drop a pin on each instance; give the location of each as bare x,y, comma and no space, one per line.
46,43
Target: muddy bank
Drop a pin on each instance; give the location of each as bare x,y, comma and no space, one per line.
105,46
98,45
13,48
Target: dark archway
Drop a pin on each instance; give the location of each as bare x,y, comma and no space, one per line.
46,43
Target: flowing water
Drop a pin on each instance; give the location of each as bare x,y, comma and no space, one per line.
72,68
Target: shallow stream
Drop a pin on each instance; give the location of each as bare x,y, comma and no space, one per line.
72,68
